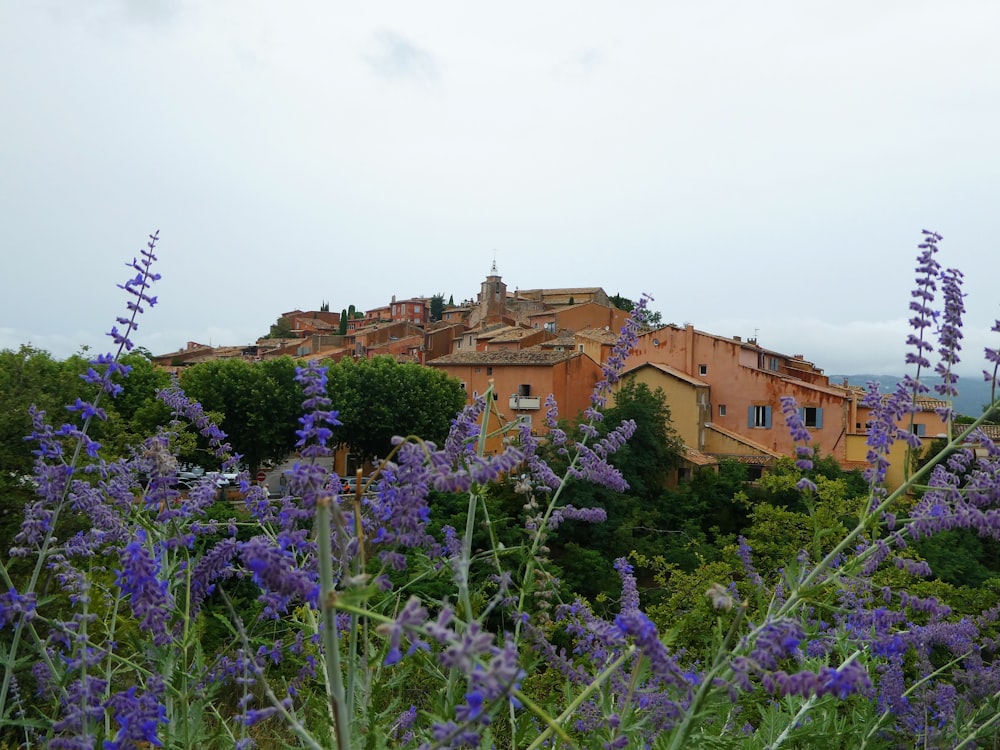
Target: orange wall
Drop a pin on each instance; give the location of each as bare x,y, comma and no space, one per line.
571,382
737,383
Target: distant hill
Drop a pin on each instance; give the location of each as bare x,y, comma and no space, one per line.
973,392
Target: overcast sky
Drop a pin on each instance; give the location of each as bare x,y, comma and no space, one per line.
756,167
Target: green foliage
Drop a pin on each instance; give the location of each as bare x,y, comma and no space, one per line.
437,307
280,329
640,519
646,318
260,404
381,398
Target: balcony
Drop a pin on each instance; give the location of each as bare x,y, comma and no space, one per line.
525,402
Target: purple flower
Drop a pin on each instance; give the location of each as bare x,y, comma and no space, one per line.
318,418
281,578
149,596
138,715
407,623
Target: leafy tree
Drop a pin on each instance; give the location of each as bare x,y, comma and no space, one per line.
342,329
260,403
638,519
380,398
654,451
136,412
437,307
647,318
281,329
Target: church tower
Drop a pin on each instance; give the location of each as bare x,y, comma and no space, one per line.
492,296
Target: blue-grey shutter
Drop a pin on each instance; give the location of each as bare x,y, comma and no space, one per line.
819,418
767,417
750,417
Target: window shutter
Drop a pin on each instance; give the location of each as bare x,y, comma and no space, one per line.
750,416
819,418
767,417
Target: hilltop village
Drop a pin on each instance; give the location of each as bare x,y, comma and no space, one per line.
724,392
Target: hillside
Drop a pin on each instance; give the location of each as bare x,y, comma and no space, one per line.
973,396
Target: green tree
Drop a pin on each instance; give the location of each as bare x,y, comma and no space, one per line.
281,329
342,328
380,398
437,307
260,404
648,318
638,519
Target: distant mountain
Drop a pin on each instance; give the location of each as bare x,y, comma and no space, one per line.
973,392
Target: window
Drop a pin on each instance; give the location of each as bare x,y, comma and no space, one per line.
581,347
683,475
703,369
920,430
772,363
812,416
489,370
524,419
759,415
722,410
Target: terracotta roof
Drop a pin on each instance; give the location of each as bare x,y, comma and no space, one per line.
512,333
929,403
698,458
831,390
564,340
668,370
604,335
562,291
992,431
741,439
531,356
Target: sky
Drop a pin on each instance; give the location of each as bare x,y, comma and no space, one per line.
757,168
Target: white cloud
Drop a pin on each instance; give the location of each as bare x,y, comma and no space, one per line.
753,166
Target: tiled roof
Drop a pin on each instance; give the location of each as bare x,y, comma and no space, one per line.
698,458
531,356
562,291
992,431
604,335
564,340
742,439
929,403
831,390
668,370
513,333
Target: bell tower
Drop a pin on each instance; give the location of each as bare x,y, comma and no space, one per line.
492,296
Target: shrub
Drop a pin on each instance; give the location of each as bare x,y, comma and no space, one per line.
351,625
